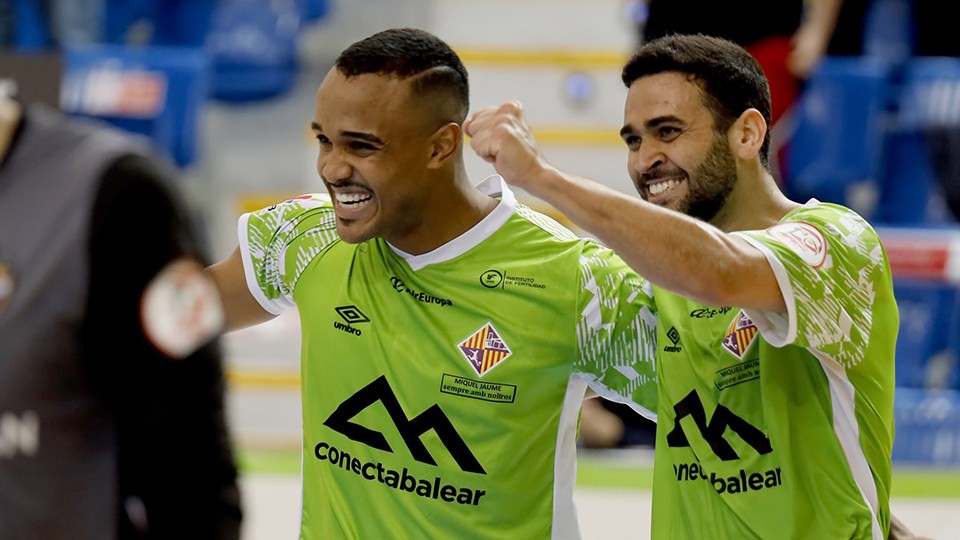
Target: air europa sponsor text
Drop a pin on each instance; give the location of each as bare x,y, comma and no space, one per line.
420,296
402,480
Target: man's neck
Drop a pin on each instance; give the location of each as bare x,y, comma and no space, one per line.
451,217
755,203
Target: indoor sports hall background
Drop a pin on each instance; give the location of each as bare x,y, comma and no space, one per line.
226,88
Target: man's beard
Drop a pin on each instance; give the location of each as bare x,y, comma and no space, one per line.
711,182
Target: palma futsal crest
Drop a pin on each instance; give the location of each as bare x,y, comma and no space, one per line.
484,349
739,335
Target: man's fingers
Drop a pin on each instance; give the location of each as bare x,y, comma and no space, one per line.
481,119
473,124
481,144
480,128
500,135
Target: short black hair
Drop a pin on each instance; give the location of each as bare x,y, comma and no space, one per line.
731,79
410,52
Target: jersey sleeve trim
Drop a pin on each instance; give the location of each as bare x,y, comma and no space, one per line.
778,329
564,524
847,430
605,393
274,307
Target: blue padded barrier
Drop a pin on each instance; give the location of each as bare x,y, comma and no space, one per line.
314,10
926,354
840,120
927,424
888,30
926,274
254,49
928,99
176,23
155,91
30,32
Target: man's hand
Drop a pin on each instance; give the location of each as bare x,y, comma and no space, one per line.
501,136
899,531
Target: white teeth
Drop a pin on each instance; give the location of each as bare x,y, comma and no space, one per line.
660,187
352,198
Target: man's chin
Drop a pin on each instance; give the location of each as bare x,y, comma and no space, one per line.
668,205
351,233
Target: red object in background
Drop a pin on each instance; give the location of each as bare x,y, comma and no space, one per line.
921,254
771,53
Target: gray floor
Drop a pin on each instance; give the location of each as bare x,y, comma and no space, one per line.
272,512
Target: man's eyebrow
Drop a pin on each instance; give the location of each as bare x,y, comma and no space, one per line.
651,124
362,136
350,134
660,120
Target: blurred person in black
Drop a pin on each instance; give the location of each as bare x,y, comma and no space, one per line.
112,418
770,42
839,28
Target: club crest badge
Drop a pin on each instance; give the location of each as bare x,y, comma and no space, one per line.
739,335
484,349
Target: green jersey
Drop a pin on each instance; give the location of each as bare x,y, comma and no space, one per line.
441,392
781,425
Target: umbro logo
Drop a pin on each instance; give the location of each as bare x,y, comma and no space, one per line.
674,337
352,315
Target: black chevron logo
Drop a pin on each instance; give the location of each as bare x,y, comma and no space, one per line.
713,431
410,429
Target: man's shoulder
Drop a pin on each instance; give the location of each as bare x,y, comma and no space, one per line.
294,208
306,222
543,239
825,213
818,222
550,224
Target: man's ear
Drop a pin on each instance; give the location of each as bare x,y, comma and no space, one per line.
444,144
747,134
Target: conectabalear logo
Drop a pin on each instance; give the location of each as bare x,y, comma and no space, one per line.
713,431
735,480
432,419
411,430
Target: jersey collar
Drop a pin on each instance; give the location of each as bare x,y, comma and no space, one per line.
495,187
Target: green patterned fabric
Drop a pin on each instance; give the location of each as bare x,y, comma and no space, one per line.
442,391
781,425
